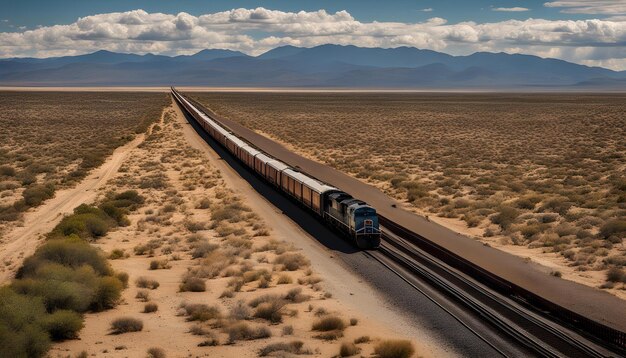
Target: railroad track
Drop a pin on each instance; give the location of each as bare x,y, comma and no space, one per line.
529,329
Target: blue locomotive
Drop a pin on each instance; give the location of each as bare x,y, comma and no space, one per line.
351,216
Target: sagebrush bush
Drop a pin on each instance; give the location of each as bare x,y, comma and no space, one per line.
150,307
201,312
394,349
156,352
293,347
348,349
270,310
145,282
193,284
242,331
615,274
329,323
125,325
613,227
291,261
35,195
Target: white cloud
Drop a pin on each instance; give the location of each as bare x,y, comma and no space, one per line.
510,9
604,7
253,31
428,9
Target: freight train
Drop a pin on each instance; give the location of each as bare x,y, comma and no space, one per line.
353,217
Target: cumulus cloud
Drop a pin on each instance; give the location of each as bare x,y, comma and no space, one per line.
253,31
510,9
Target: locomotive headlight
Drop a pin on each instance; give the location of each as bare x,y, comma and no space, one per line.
368,222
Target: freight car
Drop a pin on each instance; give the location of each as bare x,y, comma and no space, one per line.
350,216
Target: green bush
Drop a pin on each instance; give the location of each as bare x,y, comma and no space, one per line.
71,251
85,225
21,333
56,295
63,324
107,294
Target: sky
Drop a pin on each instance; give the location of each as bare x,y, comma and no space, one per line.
590,32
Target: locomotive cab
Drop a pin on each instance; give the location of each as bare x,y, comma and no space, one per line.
364,226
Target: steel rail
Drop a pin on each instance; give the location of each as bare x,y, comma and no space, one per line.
413,259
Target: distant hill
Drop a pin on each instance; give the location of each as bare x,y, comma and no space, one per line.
321,66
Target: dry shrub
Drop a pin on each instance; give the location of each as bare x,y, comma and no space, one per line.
201,312
287,330
284,279
159,265
329,323
236,284
202,249
192,284
242,331
295,295
240,311
156,352
211,341
394,349
615,274
126,324
348,349
293,347
354,321
116,254
362,339
142,295
255,275
198,330
291,261
270,310
150,307
145,282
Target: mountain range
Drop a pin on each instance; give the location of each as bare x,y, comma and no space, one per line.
329,66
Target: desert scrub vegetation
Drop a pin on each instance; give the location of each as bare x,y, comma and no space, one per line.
63,279
394,349
125,325
52,140
492,161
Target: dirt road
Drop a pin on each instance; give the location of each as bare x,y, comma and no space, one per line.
22,241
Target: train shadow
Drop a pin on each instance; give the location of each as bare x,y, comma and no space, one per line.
313,226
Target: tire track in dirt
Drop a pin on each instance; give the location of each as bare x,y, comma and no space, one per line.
22,241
